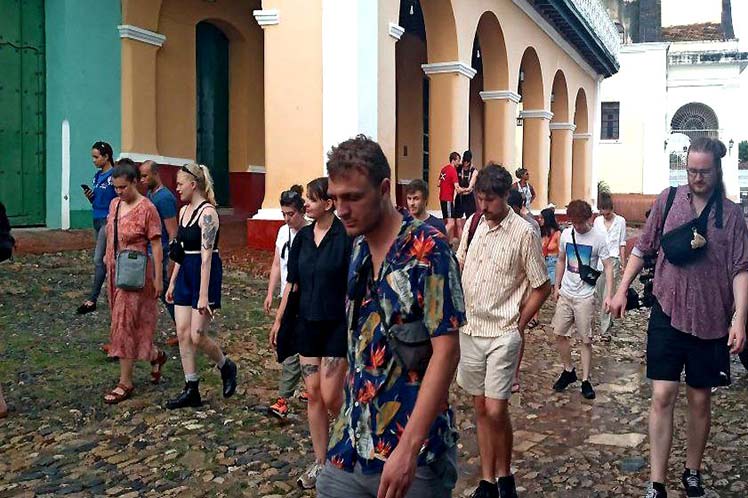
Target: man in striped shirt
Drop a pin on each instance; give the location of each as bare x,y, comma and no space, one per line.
502,264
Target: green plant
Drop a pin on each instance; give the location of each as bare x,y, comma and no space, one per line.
743,151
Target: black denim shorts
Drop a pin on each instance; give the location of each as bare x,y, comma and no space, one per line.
669,351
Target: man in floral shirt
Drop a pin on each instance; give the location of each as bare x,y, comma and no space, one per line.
395,436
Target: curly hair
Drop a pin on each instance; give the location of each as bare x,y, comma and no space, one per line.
361,154
579,211
493,179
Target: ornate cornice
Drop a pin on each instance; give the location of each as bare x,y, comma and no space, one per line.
141,35
455,67
395,31
268,17
501,95
563,126
536,114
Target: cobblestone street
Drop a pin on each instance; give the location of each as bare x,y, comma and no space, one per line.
61,439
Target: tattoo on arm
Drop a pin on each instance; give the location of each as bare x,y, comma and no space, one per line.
307,369
210,231
331,365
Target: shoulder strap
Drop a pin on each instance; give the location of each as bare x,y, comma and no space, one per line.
196,213
668,205
576,249
474,222
116,234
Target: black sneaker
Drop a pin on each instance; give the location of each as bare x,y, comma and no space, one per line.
565,379
656,490
692,483
587,390
486,489
507,488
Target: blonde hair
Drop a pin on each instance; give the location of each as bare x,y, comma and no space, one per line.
201,175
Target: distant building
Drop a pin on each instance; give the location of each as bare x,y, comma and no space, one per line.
682,75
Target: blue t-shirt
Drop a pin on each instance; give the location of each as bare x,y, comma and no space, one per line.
166,205
103,193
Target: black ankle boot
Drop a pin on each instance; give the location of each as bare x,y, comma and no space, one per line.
228,375
190,397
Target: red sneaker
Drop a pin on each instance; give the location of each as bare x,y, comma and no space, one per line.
280,408
172,341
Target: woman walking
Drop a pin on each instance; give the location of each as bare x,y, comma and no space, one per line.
100,196
550,233
523,185
318,270
195,287
133,224
292,206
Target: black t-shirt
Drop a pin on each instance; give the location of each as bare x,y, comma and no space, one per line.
321,272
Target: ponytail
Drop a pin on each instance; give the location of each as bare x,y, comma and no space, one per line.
210,195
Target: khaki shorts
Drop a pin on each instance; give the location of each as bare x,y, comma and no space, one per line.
573,312
487,364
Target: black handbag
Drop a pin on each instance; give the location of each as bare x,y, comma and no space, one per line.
176,251
588,274
286,340
410,343
688,242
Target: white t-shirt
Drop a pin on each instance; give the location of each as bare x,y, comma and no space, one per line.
616,235
593,248
286,234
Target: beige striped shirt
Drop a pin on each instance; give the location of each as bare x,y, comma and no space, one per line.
500,268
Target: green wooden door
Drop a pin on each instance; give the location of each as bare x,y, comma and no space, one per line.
22,112
213,106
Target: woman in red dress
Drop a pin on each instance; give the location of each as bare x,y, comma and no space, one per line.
134,313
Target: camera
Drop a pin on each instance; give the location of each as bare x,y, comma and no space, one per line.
635,300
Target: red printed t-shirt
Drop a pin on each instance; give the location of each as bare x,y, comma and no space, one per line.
447,180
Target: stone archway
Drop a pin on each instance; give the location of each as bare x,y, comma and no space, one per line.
535,125
581,174
561,143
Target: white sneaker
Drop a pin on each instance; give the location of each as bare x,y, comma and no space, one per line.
308,480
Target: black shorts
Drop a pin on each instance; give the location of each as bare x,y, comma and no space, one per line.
669,351
464,206
448,210
322,338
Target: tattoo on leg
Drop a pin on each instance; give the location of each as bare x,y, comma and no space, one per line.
307,369
202,331
331,364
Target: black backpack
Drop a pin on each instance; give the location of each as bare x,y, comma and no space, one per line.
7,242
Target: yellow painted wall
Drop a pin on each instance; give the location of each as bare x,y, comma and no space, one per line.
293,96
411,53
176,79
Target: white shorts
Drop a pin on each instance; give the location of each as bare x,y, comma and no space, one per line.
487,364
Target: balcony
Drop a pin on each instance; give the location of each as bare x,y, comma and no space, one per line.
585,24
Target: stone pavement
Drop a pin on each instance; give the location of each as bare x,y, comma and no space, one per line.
62,440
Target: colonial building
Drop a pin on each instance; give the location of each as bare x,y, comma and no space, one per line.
260,91
682,76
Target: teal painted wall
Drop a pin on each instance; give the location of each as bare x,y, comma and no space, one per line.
83,86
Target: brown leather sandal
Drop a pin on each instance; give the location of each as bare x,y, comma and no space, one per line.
117,397
159,361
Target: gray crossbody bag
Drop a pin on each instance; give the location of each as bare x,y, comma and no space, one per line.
129,266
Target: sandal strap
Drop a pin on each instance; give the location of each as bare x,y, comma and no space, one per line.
126,389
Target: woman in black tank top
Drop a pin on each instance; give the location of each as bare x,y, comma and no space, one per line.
195,286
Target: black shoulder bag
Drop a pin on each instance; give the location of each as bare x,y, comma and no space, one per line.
588,274
687,243
410,343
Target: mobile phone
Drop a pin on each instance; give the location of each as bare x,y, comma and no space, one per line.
85,187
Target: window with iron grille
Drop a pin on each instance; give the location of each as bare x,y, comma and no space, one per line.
611,112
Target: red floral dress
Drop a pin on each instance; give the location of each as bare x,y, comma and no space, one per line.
134,313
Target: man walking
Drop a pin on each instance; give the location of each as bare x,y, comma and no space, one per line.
395,436
448,187
517,203
501,265
614,228
417,198
581,247
166,205
697,285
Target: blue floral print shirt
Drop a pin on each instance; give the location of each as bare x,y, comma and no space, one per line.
419,279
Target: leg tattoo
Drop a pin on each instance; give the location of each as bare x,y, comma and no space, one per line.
331,364
307,369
